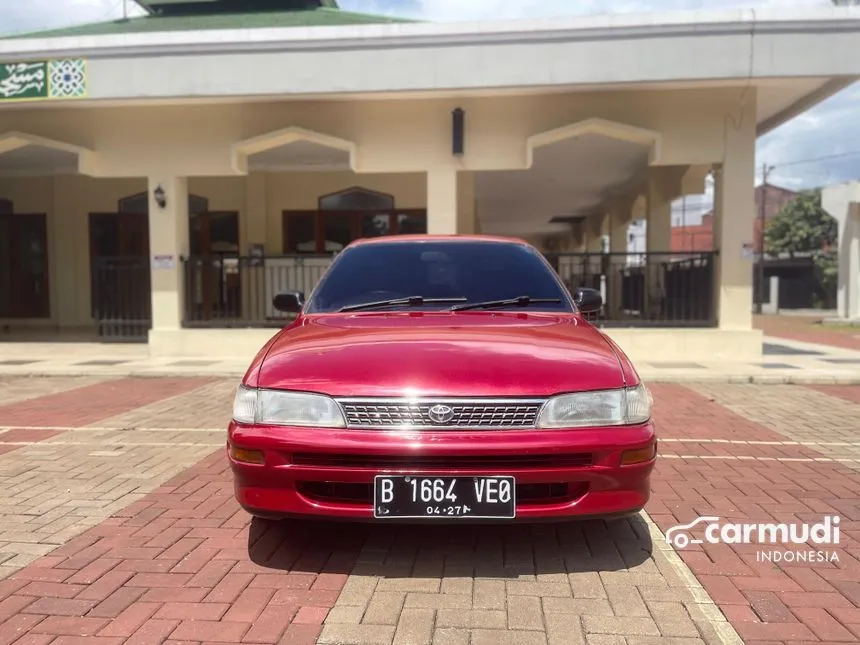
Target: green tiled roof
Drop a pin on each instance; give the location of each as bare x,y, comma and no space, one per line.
319,17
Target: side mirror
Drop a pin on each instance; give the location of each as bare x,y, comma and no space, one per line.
290,302
588,300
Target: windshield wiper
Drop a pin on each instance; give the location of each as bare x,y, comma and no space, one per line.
519,301
411,301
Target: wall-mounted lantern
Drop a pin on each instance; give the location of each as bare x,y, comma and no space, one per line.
160,197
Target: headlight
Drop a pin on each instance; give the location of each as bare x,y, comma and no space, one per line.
626,406
277,407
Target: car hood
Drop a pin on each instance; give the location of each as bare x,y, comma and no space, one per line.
440,354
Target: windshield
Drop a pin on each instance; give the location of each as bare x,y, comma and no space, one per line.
459,272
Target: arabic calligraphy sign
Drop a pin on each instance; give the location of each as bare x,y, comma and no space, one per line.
54,79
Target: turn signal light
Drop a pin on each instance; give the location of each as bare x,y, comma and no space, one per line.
638,456
247,456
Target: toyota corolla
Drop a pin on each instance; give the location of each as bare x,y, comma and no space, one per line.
434,378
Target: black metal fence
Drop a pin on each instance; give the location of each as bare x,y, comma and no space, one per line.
659,289
121,298
230,291
641,289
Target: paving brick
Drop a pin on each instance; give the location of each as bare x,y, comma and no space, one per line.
472,618
348,614
129,620
310,616
59,607
210,631
337,634
271,624
621,625
524,612
415,627
489,594
384,608
153,631
578,606
70,626
508,637
301,635
188,611
448,636
438,601
562,629
823,625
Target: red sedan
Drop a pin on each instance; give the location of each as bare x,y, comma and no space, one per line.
441,378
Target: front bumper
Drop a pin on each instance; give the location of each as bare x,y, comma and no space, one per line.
328,473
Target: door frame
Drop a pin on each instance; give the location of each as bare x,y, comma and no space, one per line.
204,260
15,310
121,325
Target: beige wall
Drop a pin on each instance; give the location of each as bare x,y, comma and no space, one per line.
258,198
390,136
396,145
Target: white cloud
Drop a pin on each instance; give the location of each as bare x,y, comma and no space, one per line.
454,10
35,15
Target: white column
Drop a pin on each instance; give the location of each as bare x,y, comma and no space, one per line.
658,230
168,241
466,216
620,216
848,281
442,201
253,223
734,215
595,226
619,225
842,202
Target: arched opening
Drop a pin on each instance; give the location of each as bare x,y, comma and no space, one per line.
348,215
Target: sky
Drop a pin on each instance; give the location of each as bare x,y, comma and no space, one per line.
814,149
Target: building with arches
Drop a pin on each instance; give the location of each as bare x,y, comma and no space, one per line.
162,177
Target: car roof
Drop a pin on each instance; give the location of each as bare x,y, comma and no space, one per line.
437,238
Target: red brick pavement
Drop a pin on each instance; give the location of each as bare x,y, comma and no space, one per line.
846,392
806,330
681,413
766,602
185,563
82,406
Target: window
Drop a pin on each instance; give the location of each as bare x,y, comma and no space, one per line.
345,216
356,199
477,271
300,232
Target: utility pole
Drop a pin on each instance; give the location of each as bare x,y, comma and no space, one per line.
765,173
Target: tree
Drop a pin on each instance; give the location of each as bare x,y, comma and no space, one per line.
801,227
804,227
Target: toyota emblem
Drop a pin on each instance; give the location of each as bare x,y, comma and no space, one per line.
441,414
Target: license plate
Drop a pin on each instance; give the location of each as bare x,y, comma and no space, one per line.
416,496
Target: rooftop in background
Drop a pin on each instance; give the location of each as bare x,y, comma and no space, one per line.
194,15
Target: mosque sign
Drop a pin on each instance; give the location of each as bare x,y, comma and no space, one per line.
40,80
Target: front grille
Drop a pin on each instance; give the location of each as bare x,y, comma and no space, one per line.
469,462
460,413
